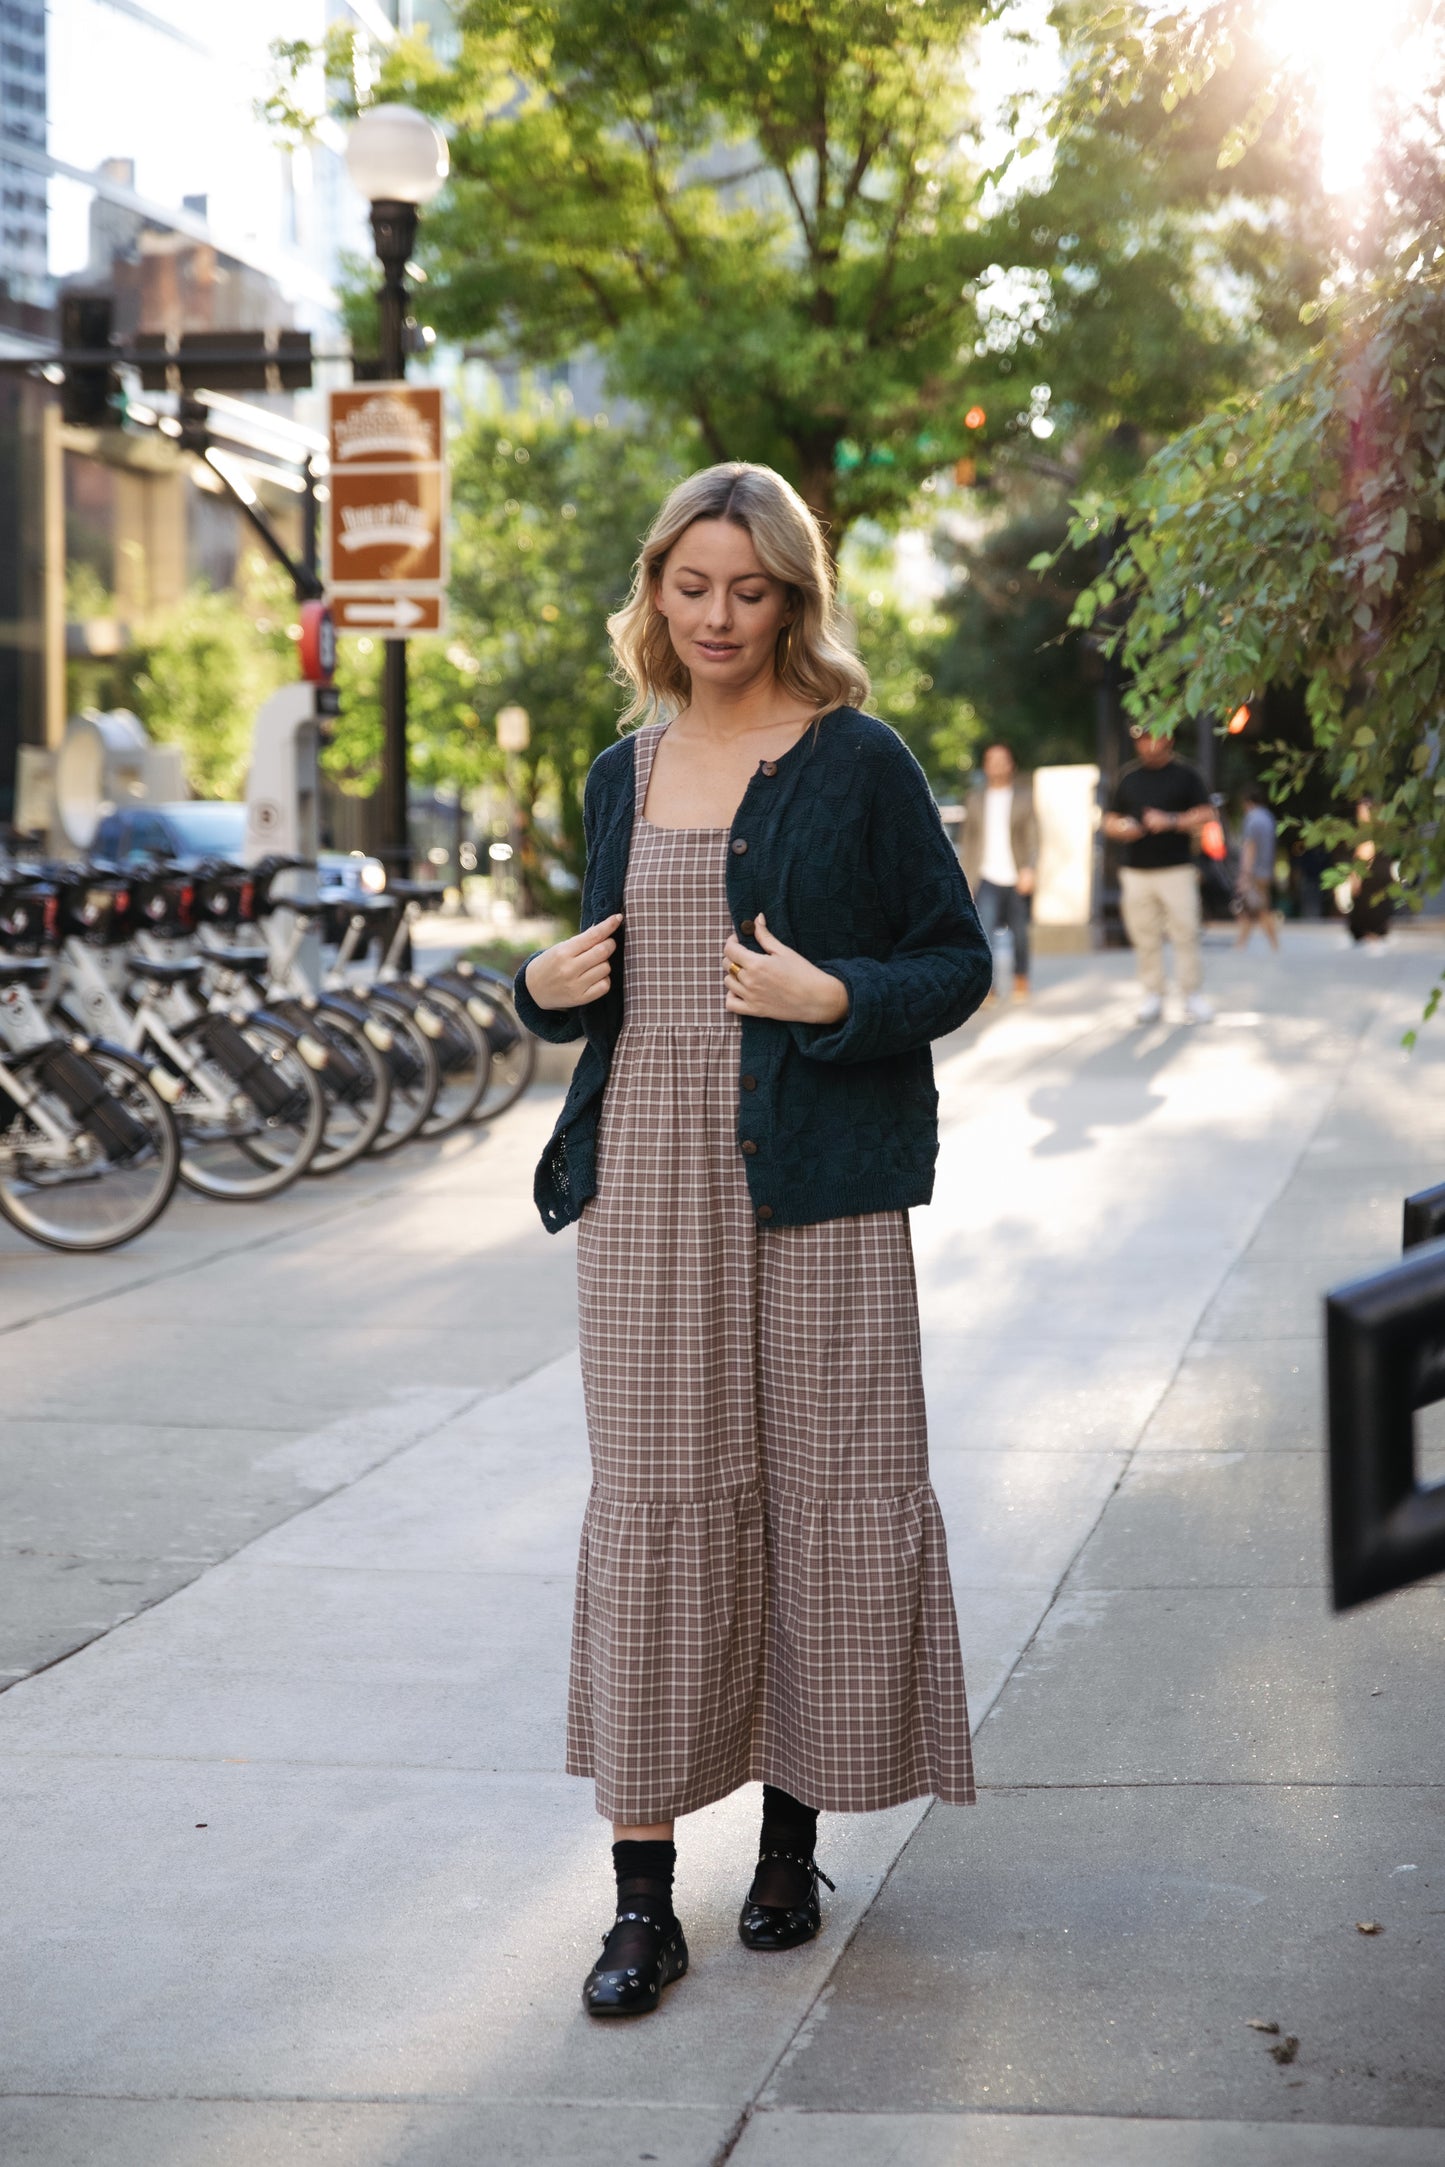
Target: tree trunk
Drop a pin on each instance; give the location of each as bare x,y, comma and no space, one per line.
527,862
817,486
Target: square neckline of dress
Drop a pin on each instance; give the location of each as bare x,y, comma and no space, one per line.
659,828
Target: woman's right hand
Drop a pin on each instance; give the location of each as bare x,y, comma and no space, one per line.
575,971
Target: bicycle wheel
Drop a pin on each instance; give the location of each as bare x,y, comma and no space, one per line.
463,1056
253,1113
490,1005
413,1070
355,1083
106,1173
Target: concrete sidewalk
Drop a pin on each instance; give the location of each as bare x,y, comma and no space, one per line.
290,1874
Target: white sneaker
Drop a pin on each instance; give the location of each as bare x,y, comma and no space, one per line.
1150,1009
1197,1009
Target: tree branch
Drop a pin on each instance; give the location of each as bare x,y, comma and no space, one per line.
712,436
661,198
883,291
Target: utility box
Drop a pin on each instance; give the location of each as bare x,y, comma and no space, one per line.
282,814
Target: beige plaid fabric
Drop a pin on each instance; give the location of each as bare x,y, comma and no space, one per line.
763,1588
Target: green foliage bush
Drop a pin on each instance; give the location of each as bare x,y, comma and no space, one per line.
1295,536
195,672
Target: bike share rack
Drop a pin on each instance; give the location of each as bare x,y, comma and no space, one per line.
1385,1356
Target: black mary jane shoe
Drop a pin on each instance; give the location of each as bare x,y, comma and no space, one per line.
628,1978
784,1926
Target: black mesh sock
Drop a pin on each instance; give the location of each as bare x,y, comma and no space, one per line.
792,1827
644,1884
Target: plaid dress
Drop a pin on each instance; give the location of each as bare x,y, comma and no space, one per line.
763,1585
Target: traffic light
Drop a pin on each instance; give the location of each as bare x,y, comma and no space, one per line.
194,418
90,389
223,360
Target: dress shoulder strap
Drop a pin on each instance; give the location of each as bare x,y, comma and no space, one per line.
644,751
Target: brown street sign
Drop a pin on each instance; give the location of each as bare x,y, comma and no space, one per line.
387,425
386,527
387,524
390,616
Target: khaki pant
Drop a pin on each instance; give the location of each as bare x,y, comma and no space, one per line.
1158,905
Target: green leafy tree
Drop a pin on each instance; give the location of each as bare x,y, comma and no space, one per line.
762,218
1296,537
900,640
1148,279
1141,282
1009,649
450,741
195,672
550,515
207,665
774,226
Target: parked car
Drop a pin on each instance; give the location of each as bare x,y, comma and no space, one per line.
216,828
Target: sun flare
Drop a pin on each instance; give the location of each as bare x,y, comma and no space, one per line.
1355,53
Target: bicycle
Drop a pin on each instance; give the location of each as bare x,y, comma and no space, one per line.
404,1039
485,994
248,1106
356,1081
462,1049
89,1151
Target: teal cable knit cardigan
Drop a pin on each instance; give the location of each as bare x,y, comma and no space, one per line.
840,845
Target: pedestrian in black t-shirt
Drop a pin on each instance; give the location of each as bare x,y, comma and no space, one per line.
1160,805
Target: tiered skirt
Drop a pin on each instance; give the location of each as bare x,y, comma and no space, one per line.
763,1587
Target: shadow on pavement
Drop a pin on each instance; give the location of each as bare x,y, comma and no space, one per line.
1112,1089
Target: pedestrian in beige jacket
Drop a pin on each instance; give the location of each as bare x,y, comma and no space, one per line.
1000,849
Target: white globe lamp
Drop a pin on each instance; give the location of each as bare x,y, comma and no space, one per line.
395,155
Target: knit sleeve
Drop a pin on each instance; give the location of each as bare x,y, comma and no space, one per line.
559,1026
556,1025
941,966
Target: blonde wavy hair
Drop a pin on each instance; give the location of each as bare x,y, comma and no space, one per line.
811,659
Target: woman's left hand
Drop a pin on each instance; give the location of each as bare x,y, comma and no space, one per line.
780,983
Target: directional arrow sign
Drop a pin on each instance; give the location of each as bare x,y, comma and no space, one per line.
397,614
386,524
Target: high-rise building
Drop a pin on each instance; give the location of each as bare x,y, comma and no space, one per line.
258,242
24,265
134,520
26,326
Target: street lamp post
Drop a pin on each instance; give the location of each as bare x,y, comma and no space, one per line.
514,735
398,161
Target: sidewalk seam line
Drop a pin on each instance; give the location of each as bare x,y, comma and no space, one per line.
1132,1453
453,1414
201,1264
750,2106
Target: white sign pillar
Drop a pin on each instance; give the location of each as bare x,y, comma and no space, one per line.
281,789
1066,802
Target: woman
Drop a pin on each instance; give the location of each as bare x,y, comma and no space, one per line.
774,928
1371,879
